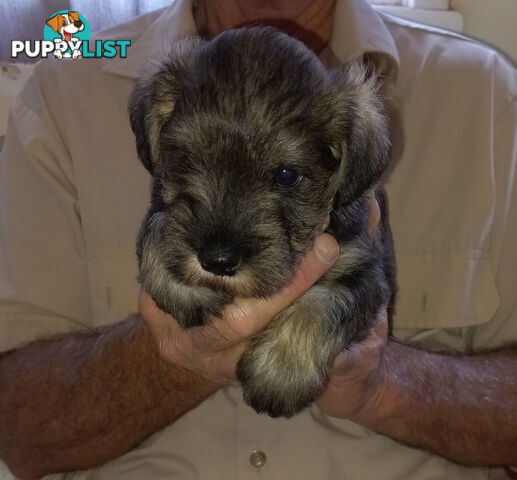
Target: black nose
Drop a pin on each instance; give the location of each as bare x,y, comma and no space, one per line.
219,261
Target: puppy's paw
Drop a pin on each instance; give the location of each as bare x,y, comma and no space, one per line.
279,380
285,368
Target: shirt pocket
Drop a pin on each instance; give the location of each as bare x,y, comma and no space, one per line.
113,285
441,295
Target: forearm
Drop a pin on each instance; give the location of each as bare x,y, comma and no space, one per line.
75,402
461,407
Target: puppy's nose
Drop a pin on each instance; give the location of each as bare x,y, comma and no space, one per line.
219,261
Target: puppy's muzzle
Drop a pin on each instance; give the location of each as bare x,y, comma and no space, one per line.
219,260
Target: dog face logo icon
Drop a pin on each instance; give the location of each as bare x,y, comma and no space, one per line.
67,29
66,24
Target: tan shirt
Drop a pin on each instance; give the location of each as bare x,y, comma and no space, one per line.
72,195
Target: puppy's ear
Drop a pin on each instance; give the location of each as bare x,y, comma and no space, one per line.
54,22
359,132
152,101
74,15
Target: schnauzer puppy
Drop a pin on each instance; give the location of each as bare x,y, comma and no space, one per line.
252,143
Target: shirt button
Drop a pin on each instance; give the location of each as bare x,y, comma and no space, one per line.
258,458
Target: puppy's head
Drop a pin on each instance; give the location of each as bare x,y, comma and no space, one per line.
66,23
251,142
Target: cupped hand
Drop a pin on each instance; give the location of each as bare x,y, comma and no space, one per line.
213,350
356,380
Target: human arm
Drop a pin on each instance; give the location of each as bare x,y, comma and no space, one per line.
462,407
76,401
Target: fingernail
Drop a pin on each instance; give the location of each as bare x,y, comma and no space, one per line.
326,224
326,248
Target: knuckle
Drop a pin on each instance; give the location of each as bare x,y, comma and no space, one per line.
235,314
304,278
176,347
145,305
237,321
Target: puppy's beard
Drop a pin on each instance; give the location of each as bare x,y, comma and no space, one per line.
241,284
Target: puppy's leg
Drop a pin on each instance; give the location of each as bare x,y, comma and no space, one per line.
284,370
286,366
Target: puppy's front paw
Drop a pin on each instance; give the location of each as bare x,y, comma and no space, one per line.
286,366
278,379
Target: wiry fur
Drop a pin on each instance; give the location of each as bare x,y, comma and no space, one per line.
213,123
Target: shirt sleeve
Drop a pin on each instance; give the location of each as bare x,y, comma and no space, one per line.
43,274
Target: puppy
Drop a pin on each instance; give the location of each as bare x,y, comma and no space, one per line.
252,143
67,25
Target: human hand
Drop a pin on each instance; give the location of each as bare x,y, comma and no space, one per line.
357,377
374,214
213,350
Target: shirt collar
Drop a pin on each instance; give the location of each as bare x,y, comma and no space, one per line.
172,23
358,30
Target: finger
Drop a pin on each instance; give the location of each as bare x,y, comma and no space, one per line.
374,214
326,224
380,326
173,342
378,334
172,338
315,264
150,311
225,363
245,317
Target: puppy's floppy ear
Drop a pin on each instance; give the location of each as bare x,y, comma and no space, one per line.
54,22
153,98
359,132
74,15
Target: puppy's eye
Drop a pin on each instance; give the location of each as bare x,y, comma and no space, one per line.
287,177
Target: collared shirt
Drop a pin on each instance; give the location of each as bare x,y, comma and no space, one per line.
72,195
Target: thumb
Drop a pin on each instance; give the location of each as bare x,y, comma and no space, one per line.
315,263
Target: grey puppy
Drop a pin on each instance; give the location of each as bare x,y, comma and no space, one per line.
252,143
